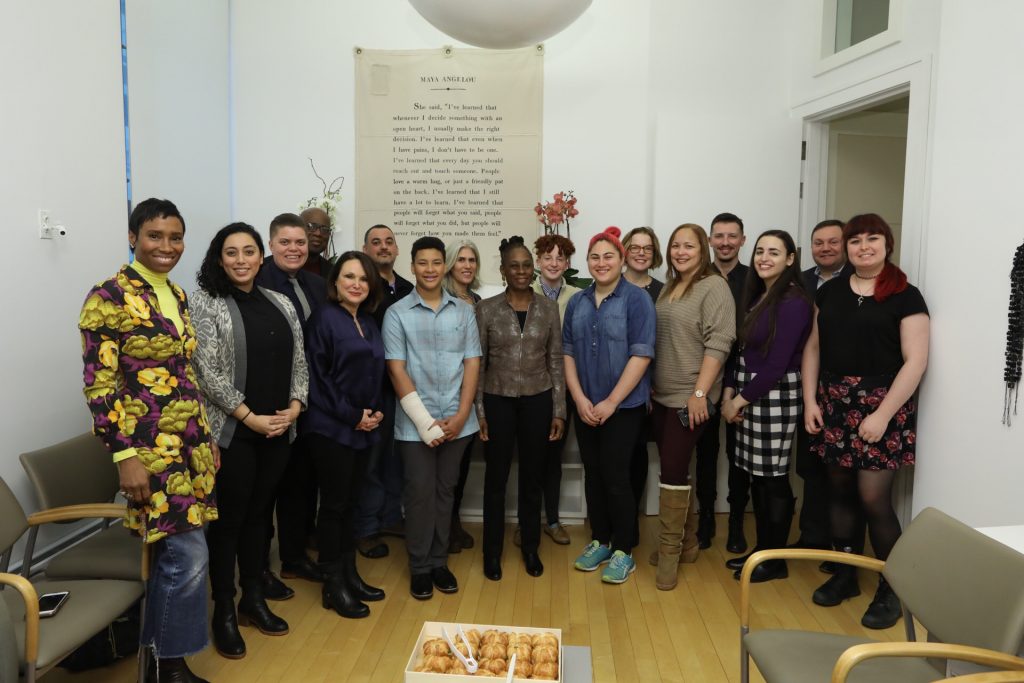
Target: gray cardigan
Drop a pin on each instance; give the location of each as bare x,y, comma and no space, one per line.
220,358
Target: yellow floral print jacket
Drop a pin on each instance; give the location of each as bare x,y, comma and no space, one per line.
143,394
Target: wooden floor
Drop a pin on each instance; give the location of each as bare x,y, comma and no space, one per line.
636,632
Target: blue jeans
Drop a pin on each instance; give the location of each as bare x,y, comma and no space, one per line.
175,620
380,503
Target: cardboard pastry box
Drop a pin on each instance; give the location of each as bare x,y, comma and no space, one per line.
432,629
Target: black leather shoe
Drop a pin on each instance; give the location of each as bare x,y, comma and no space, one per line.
275,589
303,569
736,563
766,571
372,548
492,568
705,528
884,611
842,585
172,670
444,580
339,596
227,640
360,588
736,543
533,564
253,610
421,586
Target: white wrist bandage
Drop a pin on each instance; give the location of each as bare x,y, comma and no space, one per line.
417,412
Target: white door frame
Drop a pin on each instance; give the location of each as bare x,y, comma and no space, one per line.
915,79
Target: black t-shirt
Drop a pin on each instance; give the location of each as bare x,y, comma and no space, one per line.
862,340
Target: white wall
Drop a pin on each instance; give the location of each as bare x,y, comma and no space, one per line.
970,465
62,142
179,99
292,75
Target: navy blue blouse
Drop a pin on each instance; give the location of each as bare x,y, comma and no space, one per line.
346,372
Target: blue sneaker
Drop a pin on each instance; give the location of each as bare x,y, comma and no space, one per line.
594,555
619,568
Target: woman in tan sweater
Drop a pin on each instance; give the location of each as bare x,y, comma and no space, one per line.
695,331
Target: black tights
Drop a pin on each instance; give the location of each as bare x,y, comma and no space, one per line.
867,492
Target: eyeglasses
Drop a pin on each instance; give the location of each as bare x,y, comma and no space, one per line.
317,227
637,249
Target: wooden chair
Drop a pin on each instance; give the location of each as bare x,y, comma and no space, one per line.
965,588
91,606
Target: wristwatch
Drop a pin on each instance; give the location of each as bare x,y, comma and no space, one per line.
698,393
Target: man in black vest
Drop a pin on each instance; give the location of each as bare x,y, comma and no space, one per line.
726,238
283,272
380,506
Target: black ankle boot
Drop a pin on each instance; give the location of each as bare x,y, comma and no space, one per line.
736,542
766,571
253,610
841,586
338,596
705,527
361,589
736,563
227,640
172,670
884,611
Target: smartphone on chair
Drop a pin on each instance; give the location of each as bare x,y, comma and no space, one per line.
50,603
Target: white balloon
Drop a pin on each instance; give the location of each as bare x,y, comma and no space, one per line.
501,24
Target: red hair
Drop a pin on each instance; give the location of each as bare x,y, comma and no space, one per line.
611,234
891,280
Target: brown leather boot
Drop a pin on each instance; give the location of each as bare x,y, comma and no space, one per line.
691,544
673,504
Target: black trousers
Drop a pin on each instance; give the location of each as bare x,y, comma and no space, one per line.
460,486
247,481
339,472
815,524
707,468
524,422
607,452
296,504
552,468
638,468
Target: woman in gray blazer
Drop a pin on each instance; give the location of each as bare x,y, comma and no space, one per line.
252,370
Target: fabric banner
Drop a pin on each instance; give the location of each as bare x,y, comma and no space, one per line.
448,143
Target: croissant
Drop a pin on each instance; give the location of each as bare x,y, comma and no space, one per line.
458,668
492,635
493,650
547,671
523,668
435,646
545,639
497,666
522,649
437,664
544,653
473,636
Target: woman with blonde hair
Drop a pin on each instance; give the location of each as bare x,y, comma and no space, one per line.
461,280
696,326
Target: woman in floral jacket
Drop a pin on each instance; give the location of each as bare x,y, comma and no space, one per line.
138,341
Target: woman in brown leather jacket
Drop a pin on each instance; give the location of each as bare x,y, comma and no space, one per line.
522,390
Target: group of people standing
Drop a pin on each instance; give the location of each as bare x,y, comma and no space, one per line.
292,378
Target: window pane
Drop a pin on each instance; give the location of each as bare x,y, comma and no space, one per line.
858,20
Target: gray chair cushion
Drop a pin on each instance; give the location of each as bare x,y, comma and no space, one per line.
91,606
808,657
72,472
12,517
113,553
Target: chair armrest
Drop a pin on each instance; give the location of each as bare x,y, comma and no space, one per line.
859,653
72,512
795,554
31,598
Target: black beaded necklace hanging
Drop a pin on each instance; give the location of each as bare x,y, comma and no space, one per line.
1014,336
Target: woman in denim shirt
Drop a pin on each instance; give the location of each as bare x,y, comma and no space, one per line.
522,390
608,342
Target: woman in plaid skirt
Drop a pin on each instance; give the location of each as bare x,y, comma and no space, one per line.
762,393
